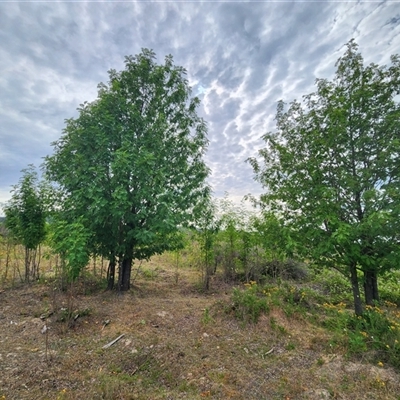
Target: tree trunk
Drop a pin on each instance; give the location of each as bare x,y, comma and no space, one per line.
206,283
27,263
358,308
111,275
371,287
8,251
37,264
124,278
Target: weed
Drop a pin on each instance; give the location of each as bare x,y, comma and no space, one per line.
149,274
320,362
206,318
290,346
357,343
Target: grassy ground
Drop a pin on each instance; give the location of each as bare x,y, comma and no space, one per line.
178,343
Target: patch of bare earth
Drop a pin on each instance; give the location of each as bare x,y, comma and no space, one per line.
177,344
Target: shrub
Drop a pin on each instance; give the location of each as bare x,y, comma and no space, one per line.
287,269
389,287
334,284
248,304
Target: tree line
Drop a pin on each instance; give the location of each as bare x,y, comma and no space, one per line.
128,177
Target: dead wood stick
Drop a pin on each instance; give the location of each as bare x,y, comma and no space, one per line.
113,341
269,351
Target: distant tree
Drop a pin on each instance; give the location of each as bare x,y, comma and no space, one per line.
132,163
272,235
26,218
207,226
333,170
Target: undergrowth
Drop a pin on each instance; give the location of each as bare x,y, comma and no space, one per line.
374,336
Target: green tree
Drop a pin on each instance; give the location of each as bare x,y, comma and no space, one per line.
234,237
333,170
26,218
70,240
207,226
272,235
132,163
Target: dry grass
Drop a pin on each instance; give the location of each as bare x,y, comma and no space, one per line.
178,344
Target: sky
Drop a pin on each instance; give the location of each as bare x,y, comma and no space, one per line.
241,58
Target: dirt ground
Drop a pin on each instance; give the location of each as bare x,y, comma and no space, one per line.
177,343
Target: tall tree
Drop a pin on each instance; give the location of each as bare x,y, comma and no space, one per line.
333,170
26,218
132,162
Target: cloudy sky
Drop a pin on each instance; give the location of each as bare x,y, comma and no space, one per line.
241,58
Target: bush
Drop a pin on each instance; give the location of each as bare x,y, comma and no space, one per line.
249,304
288,269
389,287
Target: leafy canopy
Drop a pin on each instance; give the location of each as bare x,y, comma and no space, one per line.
131,163
25,212
332,168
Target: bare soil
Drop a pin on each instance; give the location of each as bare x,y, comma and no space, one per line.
178,343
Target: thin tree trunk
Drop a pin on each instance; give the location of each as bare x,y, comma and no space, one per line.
206,284
32,262
39,258
375,285
111,274
8,251
358,308
27,264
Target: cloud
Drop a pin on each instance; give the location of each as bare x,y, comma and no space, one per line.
241,58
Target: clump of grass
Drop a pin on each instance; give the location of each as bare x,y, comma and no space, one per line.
150,274
206,318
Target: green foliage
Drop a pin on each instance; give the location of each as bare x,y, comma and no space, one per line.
132,162
150,274
25,213
376,331
26,217
207,229
390,284
206,318
288,269
249,304
231,222
334,284
70,240
273,235
356,343
235,242
331,171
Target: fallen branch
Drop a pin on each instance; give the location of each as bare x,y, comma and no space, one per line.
105,323
269,351
113,341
